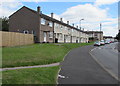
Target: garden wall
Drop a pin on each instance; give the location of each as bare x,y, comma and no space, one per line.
15,39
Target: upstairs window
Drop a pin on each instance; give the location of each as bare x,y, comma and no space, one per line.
65,28
50,24
72,30
61,27
43,21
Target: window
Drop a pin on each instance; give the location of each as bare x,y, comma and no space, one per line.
33,32
50,24
65,28
43,21
61,36
50,34
61,27
72,30
25,31
95,34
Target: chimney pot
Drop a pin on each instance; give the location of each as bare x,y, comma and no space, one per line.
68,22
83,29
77,27
52,15
61,19
73,25
38,9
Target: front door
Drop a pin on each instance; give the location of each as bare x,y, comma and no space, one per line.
45,36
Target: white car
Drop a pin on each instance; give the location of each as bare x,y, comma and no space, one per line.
97,43
107,42
102,42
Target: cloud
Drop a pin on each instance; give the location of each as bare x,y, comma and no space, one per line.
112,21
93,15
105,2
110,30
58,17
7,8
89,12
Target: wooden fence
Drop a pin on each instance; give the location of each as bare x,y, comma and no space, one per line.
15,39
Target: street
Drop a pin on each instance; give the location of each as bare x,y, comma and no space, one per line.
107,55
79,67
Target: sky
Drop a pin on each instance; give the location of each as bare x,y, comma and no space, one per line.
93,12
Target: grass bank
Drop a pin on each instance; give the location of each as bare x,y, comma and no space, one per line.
46,75
37,54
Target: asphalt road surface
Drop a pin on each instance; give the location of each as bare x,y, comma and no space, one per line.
107,55
79,67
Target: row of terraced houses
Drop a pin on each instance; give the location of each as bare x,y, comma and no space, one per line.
45,28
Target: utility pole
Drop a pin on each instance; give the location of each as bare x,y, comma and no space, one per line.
80,23
100,30
80,28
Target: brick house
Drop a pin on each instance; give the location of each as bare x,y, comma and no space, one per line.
44,28
28,21
95,35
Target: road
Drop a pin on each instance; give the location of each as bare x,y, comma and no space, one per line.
79,67
107,55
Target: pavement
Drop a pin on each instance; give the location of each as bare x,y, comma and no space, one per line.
26,67
79,67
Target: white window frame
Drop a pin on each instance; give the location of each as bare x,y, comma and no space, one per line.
43,21
51,24
61,27
50,34
72,30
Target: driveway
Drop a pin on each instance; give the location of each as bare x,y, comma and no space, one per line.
79,67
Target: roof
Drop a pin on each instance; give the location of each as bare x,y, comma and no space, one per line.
47,17
93,32
107,37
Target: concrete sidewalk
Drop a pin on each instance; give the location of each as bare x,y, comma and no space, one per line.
80,68
35,66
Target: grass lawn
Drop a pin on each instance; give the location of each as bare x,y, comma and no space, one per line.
46,75
36,54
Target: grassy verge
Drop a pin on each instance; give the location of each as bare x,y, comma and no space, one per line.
31,76
37,54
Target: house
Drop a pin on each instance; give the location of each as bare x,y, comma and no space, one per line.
95,35
45,28
110,38
28,21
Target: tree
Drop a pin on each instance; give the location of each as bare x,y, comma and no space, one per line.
5,24
118,36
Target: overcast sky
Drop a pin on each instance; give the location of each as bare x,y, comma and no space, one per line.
93,12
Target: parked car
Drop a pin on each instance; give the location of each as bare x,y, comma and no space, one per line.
107,41
102,42
97,43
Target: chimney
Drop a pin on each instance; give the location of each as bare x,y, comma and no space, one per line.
77,26
68,22
61,19
73,24
52,15
83,29
38,9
